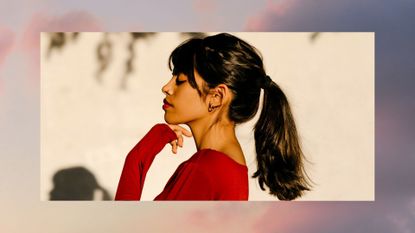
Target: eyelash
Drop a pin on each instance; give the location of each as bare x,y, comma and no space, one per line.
178,82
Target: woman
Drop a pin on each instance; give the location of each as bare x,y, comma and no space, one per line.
215,86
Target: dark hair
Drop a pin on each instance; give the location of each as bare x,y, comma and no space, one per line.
226,59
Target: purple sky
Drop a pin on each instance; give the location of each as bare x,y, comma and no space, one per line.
393,22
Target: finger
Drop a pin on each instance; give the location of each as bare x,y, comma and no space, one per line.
187,133
174,148
184,131
180,141
179,138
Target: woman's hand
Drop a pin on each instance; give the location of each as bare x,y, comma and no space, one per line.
180,131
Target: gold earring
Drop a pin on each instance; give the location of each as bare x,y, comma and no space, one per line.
210,108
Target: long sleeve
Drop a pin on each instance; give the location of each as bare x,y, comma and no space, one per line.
207,175
139,160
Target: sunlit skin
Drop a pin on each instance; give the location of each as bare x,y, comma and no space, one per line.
210,130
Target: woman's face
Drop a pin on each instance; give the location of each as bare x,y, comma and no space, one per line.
183,104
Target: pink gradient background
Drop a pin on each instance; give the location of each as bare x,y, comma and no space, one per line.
393,22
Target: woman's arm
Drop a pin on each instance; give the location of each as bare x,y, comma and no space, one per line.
139,160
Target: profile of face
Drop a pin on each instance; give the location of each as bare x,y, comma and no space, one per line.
183,104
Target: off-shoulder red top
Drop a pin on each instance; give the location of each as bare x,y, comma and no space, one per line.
207,175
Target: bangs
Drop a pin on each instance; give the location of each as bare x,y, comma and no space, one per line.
182,60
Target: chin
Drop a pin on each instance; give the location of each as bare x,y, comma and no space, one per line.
168,120
172,121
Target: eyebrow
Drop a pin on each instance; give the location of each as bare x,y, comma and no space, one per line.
185,77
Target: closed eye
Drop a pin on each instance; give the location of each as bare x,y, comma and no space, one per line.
178,82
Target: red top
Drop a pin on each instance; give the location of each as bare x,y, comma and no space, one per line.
207,175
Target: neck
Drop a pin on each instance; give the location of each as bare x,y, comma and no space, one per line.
210,135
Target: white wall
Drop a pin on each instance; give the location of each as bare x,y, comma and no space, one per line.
329,83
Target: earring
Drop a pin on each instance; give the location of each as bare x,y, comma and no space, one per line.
210,108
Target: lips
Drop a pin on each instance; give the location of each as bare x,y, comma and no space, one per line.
167,103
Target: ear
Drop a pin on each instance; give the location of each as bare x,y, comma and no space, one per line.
218,96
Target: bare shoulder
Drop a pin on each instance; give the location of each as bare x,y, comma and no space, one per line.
234,151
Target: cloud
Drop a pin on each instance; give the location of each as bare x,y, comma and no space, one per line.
206,12
328,15
288,217
204,6
404,220
285,217
308,217
270,217
262,21
224,217
7,39
339,217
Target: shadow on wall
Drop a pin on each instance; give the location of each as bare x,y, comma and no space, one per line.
104,47
77,183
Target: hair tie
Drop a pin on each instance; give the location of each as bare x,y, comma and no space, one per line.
266,82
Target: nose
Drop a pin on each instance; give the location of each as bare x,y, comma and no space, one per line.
164,90
167,89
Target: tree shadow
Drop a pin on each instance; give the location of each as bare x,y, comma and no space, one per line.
314,36
77,183
104,50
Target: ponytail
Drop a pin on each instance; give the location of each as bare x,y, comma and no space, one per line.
279,155
226,59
